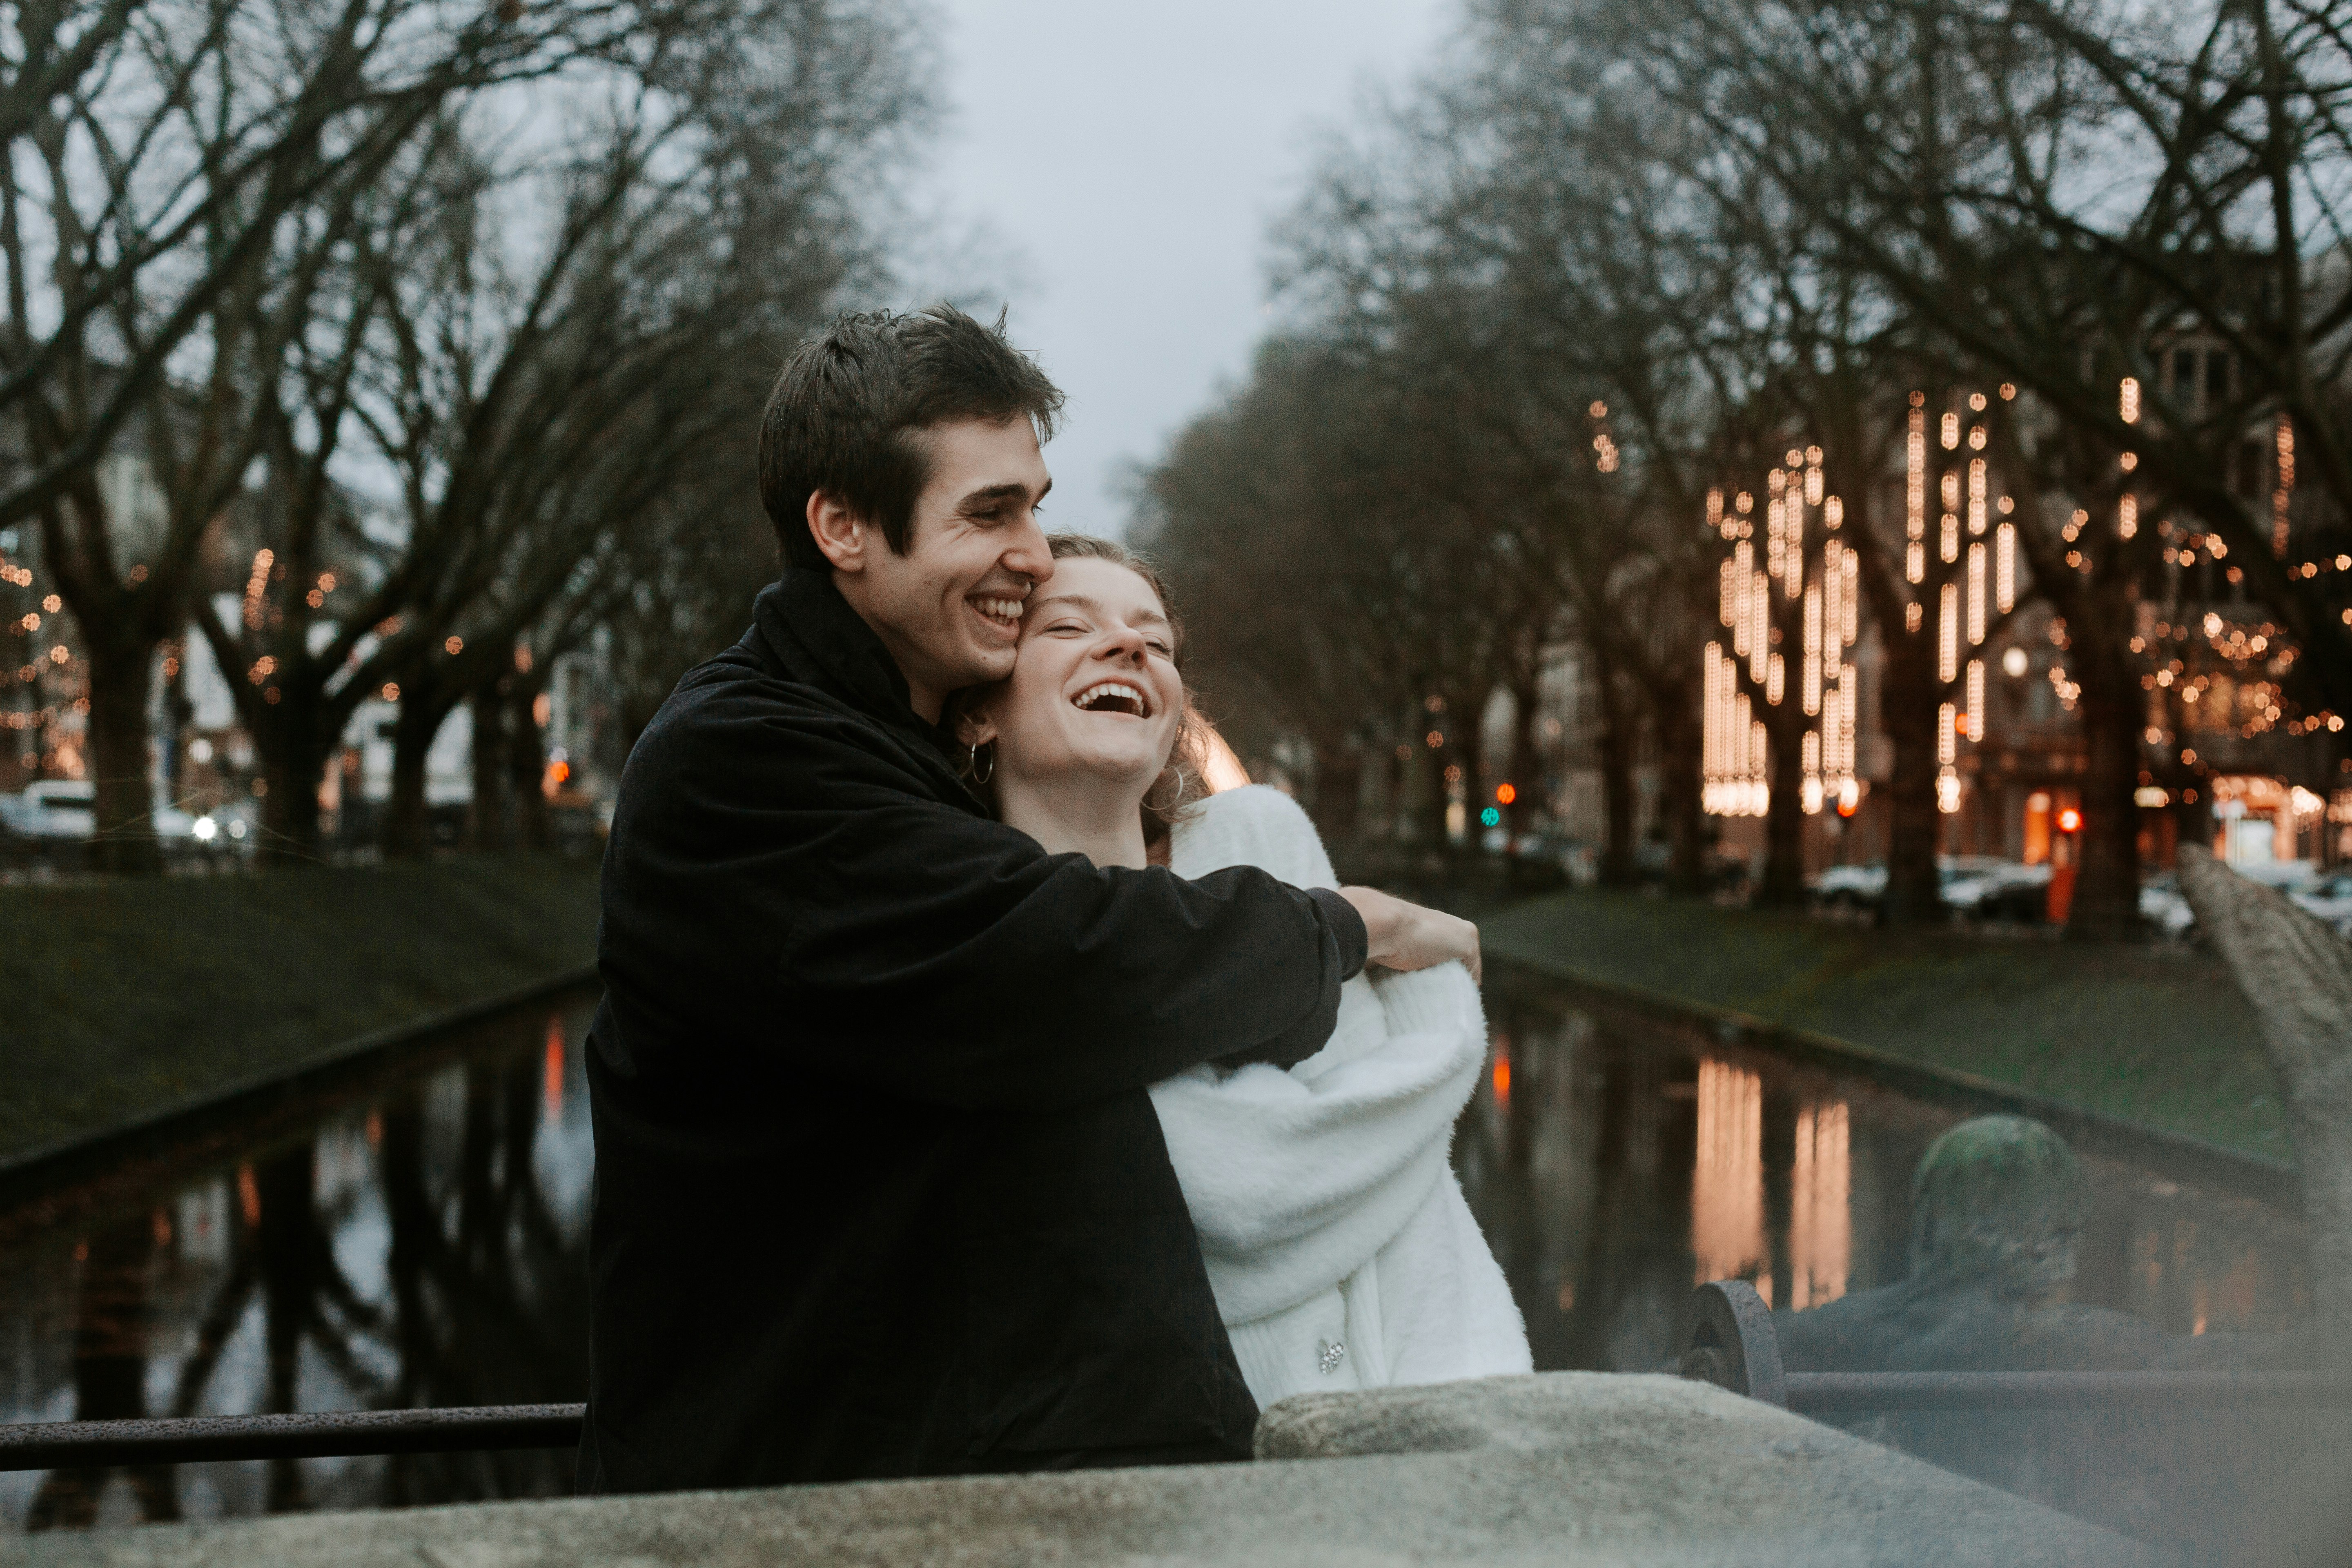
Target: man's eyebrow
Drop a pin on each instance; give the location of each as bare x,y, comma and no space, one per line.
1083,602
988,494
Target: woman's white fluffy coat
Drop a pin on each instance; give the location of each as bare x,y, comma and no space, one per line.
1336,1238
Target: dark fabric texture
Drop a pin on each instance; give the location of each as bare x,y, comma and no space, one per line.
878,1189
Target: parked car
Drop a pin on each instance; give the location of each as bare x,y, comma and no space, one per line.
1850,888
1538,862
55,808
2289,876
2330,899
1990,890
2161,905
1963,880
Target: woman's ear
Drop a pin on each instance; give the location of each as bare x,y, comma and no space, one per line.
975,728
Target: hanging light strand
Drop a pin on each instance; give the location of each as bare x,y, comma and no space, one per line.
1976,593
1948,633
1812,694
2282,493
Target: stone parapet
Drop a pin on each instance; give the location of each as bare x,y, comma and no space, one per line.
1561,1468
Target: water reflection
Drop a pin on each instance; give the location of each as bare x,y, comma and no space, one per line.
424,1245
1820,1207
1629,1160
423,1249
1727,1180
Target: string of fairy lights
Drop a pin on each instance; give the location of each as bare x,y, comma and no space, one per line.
1735,742
1952,509
48,667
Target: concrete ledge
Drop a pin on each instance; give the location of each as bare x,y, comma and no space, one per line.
1567,1469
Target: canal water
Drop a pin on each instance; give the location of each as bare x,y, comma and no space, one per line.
419,1239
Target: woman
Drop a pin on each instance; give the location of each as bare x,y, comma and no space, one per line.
1336,1238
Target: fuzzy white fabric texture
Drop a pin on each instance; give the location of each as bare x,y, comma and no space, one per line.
1336,1238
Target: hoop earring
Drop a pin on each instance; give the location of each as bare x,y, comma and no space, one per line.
973,766
1182,784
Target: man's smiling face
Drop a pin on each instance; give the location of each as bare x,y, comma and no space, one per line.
950,609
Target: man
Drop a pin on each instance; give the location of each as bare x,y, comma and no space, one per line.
878,1189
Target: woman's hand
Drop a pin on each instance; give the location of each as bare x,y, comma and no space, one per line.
1406,936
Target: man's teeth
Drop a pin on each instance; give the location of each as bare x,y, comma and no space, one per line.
999,609
1112,689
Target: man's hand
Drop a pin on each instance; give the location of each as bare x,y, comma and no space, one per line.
1407,936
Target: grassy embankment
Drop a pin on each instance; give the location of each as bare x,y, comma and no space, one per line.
2161,1035
128,997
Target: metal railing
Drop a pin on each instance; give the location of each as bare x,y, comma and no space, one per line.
1733,1345
75,1445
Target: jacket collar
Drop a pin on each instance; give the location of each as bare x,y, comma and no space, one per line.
811,630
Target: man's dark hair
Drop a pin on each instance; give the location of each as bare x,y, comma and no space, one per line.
849,410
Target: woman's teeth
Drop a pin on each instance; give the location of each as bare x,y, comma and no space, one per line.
1112,692
999,609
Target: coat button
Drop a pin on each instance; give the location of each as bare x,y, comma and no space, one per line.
1328,1354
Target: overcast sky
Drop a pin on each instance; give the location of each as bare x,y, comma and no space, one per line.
1128,160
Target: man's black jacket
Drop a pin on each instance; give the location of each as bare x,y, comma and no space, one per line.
878,1189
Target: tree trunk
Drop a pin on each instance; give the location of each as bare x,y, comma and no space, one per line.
1465,742
1907,712
1681,761
1338,789
2107,887
293,760
1620,738
407,834
178,715
488,830
120,659
525,745
1525,765
1783,885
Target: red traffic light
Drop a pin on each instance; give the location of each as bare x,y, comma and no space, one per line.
1505,793
2070,821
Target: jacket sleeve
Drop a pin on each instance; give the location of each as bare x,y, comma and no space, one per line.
776,864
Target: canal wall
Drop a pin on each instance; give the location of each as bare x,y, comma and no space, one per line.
1563,1467
135,1004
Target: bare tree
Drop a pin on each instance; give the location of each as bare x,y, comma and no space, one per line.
2077,199
171,165
537,351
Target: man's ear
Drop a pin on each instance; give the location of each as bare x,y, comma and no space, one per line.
839,533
